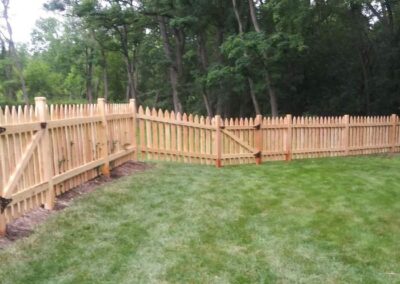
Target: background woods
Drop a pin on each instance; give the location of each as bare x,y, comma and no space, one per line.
227,57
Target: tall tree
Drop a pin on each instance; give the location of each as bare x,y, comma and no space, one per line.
8,36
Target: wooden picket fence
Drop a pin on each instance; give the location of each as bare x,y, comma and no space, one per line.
47,150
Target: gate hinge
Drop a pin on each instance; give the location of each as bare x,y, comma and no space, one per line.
4,203
43,125
258,154
2,129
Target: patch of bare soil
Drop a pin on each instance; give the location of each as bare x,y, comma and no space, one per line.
24,226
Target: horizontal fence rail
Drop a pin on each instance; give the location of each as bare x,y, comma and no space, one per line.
46,150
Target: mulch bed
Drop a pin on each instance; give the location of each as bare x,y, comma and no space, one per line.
24,226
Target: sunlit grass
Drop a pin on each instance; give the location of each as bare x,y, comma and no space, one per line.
311,221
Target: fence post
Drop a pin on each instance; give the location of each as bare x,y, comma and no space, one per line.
132,108
258,138
217,121
42,113
289,137
105,169
346,134
393,120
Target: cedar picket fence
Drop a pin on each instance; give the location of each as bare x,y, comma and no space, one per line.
47,150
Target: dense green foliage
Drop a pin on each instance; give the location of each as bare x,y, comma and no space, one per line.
312,221
211,56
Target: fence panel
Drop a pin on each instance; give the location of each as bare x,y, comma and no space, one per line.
47,150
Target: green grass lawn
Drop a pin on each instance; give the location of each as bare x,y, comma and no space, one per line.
313,221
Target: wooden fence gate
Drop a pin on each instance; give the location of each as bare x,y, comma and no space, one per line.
239,141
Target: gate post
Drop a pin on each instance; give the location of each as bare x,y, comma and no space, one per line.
346,134
393,120
217,122
133,127
42,113
258,143
289,137
105,169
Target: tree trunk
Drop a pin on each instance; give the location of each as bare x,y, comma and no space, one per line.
271,91
253,96
254,16
105,74
89,74
249,80
173,68
10,95
365,81
179,50
272,96
237,15
202,53
220,40
13,52
130,87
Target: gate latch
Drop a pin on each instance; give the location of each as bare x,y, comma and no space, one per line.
4,203
2,129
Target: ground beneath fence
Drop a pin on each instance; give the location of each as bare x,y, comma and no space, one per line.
25,225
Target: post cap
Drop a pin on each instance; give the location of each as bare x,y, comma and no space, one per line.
40,99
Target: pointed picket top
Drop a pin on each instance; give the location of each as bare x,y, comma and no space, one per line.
147,111
7,115
77,110
179,116
141,110
70,111
167,115
20,115
251,121
153,112
85,110
196,119
94,109
208,120
1,116
63,111
14,117
160,113
74,111
202,120
81,110
184,116
56,111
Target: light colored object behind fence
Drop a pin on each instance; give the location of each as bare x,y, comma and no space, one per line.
47,150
